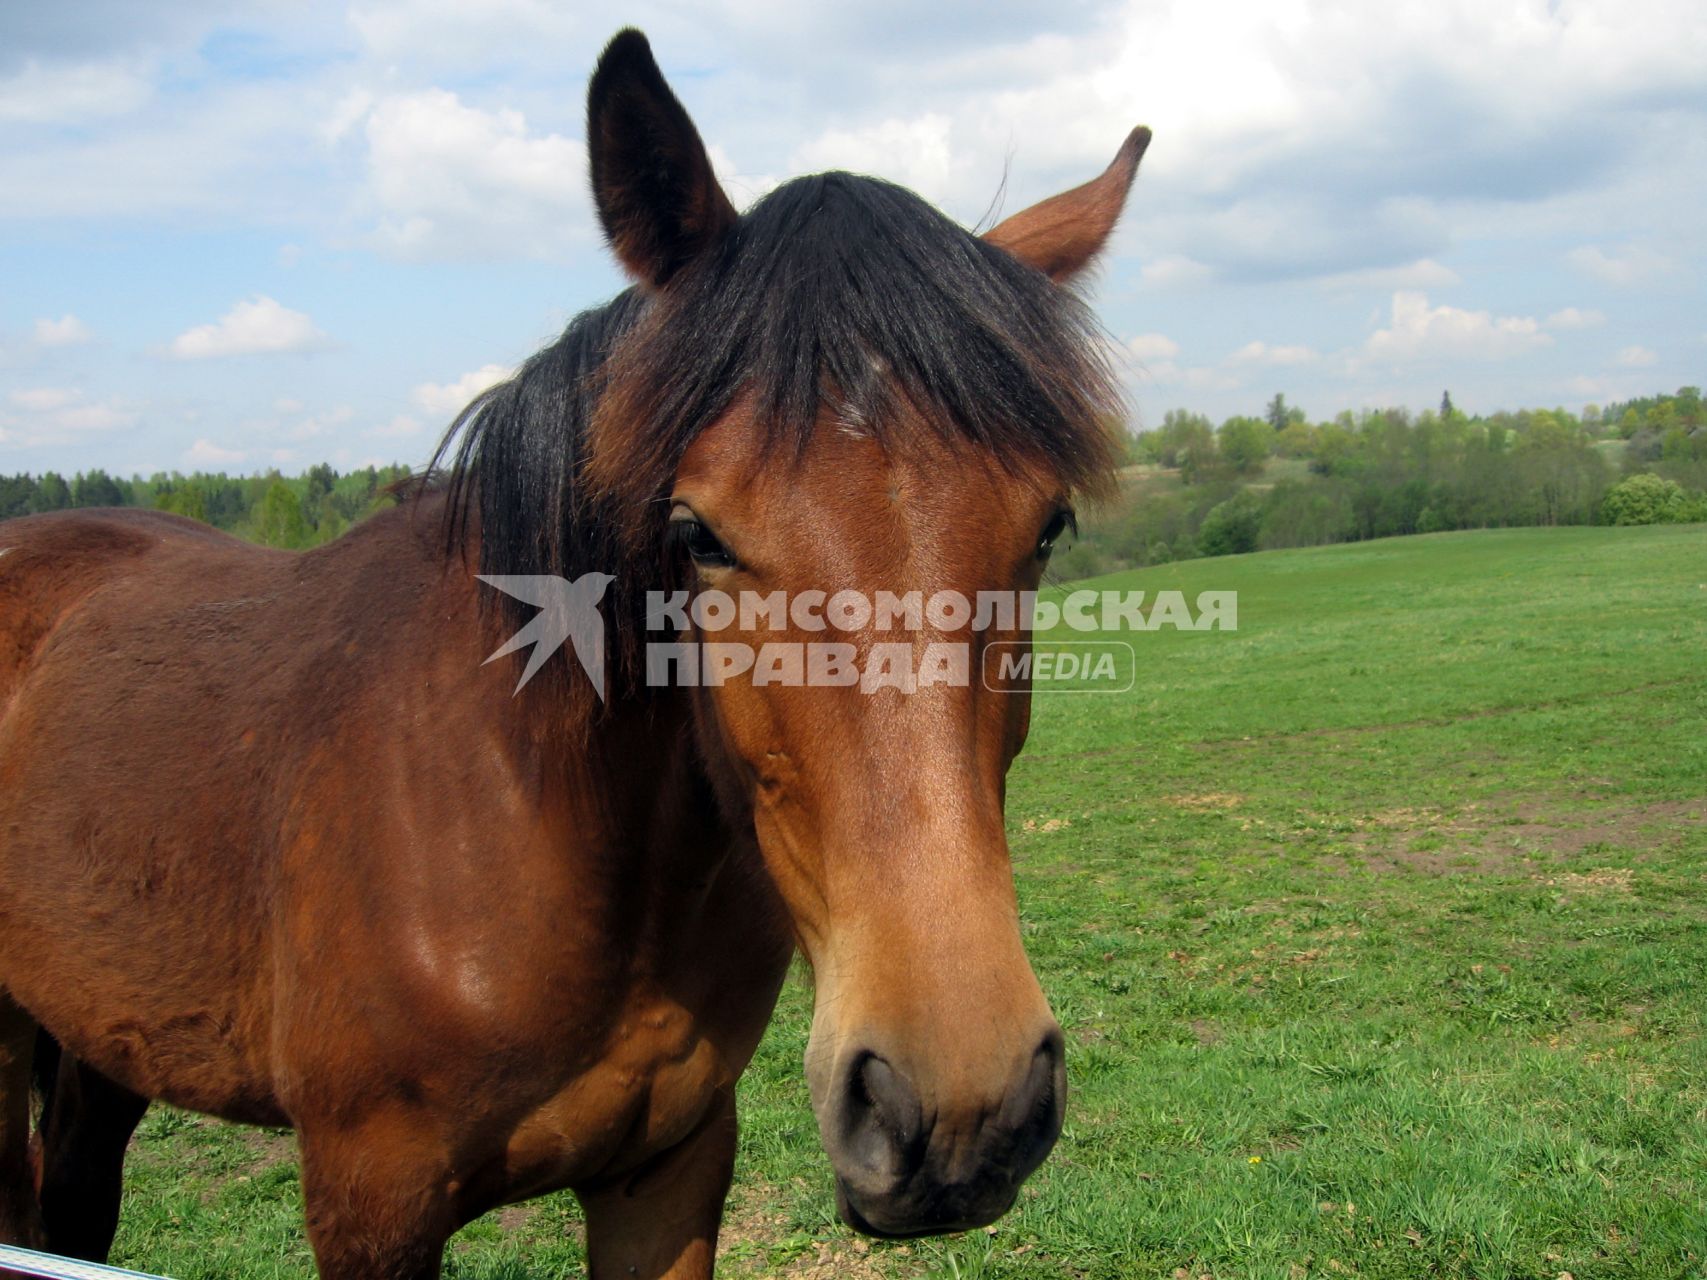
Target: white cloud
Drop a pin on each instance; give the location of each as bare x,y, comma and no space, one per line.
443,400
1419,332
1261,353
918,153
41,399
1574,318
1147,347
400,427
316,424
216,148
258,325
456,33
451,180
39,94
1629,265
1602,389
67,331
56,414
205,454
93,417
1190,377
1173,271
1636,358
1424,273
742,187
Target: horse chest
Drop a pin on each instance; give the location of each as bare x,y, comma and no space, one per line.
683,1033
661,1072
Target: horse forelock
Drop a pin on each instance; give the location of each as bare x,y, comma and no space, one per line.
835,298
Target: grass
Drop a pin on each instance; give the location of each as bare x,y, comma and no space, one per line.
1378,928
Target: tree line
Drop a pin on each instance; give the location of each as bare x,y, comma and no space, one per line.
275,510
1192,488
1279,480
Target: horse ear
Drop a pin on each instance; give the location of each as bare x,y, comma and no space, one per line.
657,197
1061,235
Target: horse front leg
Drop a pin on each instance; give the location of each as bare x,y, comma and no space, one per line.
84,1134
20,1210
660,1222
379,1197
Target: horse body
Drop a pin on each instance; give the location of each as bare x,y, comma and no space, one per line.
342,973
279,843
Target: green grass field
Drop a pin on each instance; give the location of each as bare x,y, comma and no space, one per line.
1378,928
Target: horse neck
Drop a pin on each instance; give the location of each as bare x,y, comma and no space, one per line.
636,769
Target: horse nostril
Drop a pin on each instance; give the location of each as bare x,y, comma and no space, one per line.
1034,1111
883,1120
1052,1059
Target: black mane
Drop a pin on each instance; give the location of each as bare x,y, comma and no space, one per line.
834,291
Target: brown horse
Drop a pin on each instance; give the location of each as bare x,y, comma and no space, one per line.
276,846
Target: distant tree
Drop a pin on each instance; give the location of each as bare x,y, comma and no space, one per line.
183,500
1446,410
96,489
1180,428
18,496
1644,499
1296,441
1199,460
280,522
1334,444
1643,448
1278,415
53,494
321,480
1246,443
1690,411
1231,527
1305,513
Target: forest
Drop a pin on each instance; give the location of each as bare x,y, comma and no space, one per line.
1258,483
294,512
1191,488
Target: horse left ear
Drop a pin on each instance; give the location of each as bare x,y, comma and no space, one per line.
657,196
1061,235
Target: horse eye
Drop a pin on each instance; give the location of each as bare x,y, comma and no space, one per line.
702,544
1058,524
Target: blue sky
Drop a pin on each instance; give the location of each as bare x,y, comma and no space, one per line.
235,236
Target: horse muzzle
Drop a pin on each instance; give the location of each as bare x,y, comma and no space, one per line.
910,1164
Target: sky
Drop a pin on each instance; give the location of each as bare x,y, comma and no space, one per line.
236,236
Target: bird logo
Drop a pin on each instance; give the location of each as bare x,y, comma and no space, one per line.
568,611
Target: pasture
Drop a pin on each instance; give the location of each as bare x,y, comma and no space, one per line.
1378,929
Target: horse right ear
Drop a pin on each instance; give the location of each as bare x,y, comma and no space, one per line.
1062,235
657,196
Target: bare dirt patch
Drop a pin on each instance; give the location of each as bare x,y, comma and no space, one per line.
1206,801
1603,880
755,1240
1048,826
1526,837
272,1147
